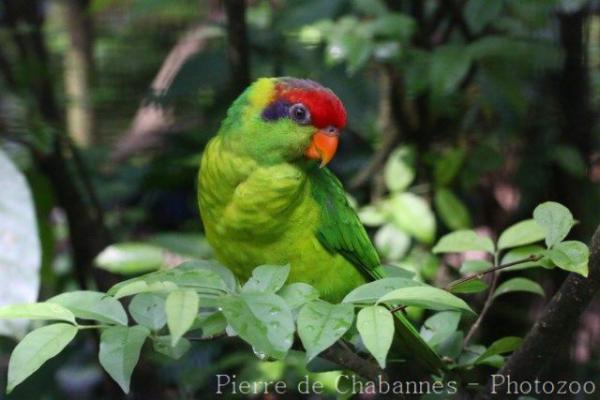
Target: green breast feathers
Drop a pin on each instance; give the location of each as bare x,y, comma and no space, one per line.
255,215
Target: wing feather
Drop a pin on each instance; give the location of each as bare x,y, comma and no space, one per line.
340,231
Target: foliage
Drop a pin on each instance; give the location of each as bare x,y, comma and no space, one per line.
266,312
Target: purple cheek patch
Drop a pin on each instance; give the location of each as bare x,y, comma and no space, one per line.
276,110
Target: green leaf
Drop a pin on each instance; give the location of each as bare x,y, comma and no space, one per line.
186,244
501,346
181,308
370,292
372,215
46,311
394,270
223,272
370,8
425,297
463,240
211,325
493,49
556,219
391,242
452,345
452,210
472,353
358,53
97,306
138,286
413,215
20,250
297,294
199,275
569,159
130,258
148,309
521,233
35,349
473,266
447,165
267,279
399,171
449,65
162,344
392,26
417,61
571,256
348,40
521,253
519,285
479,13
470,286
440,326
262,319
376,327
321,324
120,348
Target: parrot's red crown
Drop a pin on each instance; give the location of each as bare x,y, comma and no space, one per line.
324,106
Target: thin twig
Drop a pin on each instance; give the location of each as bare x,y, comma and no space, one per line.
490,296
488,302
398,308
479,275
484,310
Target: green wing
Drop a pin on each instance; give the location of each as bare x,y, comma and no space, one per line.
340,231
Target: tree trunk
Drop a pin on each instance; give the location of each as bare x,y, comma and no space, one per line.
237,47
78,70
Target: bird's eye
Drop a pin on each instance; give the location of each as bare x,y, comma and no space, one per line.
300,114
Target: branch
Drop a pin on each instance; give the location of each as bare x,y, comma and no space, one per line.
558,322
387,125
348,359
237,46
152,121
478,275
486,307
490,297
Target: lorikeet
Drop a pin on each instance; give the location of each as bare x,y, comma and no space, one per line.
266,198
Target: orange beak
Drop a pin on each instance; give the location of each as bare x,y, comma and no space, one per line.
323,145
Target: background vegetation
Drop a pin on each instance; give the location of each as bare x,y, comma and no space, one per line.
462,115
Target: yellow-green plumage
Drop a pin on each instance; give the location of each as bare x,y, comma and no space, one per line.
262,202
265,214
